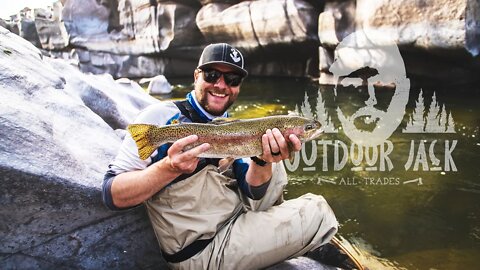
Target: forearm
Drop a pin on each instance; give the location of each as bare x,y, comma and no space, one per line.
132,188
258,175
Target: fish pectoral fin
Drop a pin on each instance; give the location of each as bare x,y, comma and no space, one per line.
223,120
224,164
140,134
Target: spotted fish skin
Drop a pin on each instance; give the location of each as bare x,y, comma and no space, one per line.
227,138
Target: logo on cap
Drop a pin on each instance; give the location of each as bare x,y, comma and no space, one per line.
235,55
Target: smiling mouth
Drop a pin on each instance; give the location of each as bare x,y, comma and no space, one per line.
218,95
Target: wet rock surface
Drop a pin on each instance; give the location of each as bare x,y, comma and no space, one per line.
54,150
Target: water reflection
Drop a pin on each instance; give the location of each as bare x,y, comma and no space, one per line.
421,216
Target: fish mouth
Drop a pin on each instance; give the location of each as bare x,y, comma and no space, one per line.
316,134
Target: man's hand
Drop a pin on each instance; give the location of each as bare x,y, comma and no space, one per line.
181,162
275,146
134,187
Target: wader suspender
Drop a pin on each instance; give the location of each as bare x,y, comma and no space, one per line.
186,253
188,111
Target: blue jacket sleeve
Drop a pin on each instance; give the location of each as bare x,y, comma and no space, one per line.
240,169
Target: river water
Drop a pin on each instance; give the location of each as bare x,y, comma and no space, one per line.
412,202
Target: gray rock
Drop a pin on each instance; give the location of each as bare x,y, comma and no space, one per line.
436,25
117,103
301,263
3,23
444,32
278,37
136,66
143,27
336,21
52,33
85,18
144,38
253,24
472,27
159,85
28,31
54,151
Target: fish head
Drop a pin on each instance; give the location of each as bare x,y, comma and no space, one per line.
305,129
312,130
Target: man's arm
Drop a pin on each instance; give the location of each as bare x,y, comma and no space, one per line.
272,142
132,188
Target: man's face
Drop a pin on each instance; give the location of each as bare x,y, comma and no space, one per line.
357,69
218,96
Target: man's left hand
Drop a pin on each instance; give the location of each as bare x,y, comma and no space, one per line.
275,146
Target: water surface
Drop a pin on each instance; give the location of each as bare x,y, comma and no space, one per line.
400,216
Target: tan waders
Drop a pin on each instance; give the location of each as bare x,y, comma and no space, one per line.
205,223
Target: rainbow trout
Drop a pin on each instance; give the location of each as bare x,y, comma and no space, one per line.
227,138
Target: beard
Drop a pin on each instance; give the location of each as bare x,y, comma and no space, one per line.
214,105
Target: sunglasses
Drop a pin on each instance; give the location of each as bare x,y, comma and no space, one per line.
230,78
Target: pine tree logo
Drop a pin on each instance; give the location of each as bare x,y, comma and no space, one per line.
434,120
320,113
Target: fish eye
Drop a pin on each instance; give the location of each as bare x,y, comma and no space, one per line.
308,126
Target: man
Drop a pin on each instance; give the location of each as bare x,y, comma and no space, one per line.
204,219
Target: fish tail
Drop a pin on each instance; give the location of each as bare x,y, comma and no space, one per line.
141,134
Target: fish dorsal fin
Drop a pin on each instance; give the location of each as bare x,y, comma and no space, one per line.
223,120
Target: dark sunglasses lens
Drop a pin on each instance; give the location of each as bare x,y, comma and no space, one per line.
232,79
211,76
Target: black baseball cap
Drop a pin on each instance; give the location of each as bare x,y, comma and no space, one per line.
222,53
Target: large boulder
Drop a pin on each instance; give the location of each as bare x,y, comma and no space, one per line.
117,103
3,23
143,26
158,85
50,28
138,66
133,39
446,24
253,24
86,17
54,150
279,37
446,32
28,31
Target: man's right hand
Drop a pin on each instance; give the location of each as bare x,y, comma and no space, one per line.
183,162
134,187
